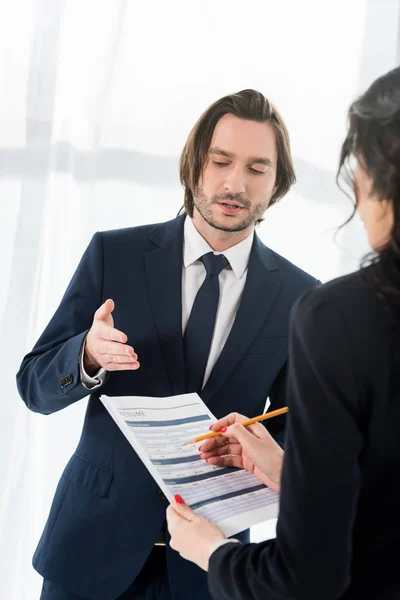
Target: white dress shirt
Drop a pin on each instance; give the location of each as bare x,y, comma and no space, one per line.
231,283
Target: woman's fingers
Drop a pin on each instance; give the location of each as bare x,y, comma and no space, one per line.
210,445
227,421
226,461
230,448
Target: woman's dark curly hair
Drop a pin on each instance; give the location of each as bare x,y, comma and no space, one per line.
373,138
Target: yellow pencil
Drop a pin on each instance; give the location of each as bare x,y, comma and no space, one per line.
268,415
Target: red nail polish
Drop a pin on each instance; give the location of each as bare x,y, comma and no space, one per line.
178,499
210,427
223,429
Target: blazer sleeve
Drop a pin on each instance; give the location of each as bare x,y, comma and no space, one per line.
321,479
49,376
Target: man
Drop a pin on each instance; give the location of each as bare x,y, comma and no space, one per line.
155,311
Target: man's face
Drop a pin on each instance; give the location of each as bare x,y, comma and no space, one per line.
238,179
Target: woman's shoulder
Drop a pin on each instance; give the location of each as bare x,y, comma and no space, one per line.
350,298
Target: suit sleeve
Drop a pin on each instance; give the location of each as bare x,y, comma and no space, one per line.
49,377
321,479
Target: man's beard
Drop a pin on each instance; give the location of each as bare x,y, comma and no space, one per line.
203,205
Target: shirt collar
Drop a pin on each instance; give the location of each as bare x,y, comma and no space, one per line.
195,246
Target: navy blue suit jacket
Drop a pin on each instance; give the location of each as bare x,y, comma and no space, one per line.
107,510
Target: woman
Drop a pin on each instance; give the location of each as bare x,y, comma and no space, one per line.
338,532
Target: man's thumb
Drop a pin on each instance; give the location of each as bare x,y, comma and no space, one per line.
105,310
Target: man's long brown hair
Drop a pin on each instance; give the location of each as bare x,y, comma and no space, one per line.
247,104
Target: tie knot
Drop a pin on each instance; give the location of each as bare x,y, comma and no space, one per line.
214,263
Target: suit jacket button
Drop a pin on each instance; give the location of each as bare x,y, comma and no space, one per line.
67,380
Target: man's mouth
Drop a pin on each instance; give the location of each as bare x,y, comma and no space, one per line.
230,207
231,204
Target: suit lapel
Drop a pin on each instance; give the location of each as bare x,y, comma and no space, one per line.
259,295
164,279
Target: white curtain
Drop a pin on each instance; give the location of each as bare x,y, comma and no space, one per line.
97,98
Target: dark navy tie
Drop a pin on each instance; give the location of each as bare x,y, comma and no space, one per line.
200,326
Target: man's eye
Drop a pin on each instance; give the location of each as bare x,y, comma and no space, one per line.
220,164
256,172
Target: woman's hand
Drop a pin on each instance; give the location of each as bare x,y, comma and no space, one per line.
251,448
192,536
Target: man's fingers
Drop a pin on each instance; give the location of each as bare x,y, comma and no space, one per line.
111,334
117,349
105,310
120,359
112,366
105,345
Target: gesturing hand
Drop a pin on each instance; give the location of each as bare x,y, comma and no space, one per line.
105,346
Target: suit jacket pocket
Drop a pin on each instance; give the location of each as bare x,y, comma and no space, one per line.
89,476
268,345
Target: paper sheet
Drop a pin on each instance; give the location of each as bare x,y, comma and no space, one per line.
158,428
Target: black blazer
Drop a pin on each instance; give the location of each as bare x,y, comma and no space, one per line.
338,532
